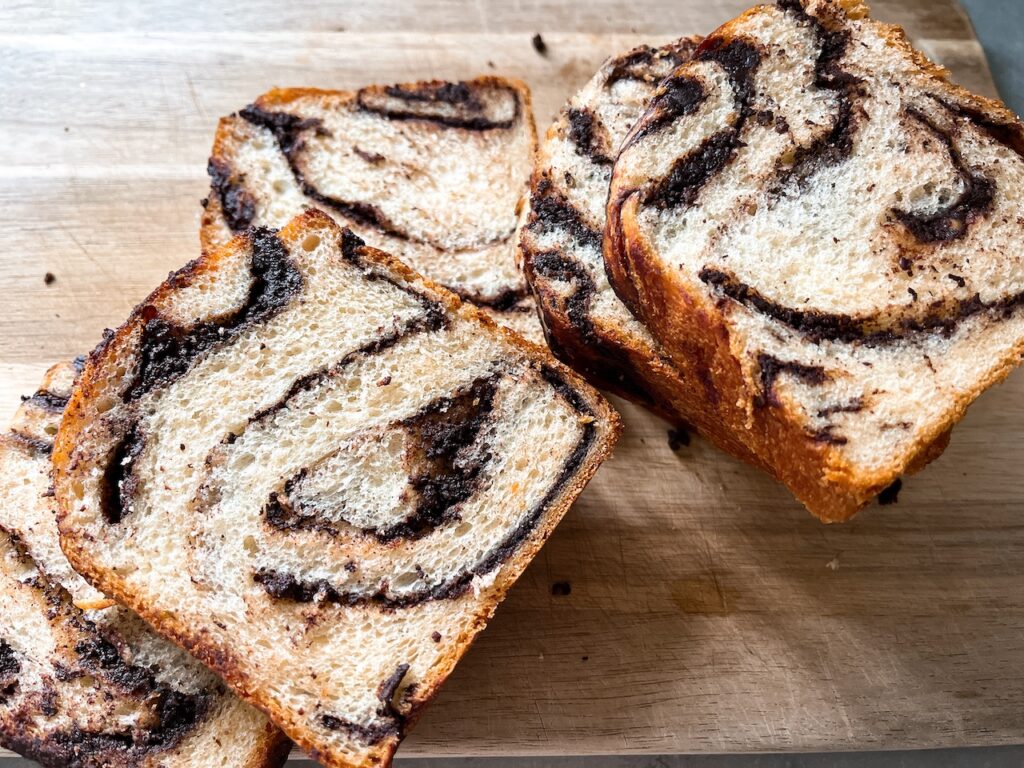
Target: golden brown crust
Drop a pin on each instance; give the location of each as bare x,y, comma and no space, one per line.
693,331
95,381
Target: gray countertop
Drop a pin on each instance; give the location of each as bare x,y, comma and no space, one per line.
1000,27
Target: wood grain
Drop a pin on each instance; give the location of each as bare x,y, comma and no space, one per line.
708,612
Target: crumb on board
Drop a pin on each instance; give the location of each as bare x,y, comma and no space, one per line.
561,588
49,278
539,45
678,438
890,494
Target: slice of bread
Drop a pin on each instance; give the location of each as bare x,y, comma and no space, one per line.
430,172
83,683
318,472
560,243
825,235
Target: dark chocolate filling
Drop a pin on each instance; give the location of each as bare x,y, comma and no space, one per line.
836,145
374,733
604,363
288,129
282,585
236,202
588,135
678,95
10,668
690,173
34,446
632,66
440,474
1009,134
951,222
771,367
944,225
507,300
640,63
549,210
827,434
433,319
459,95
175,713
854,406
167,351
48,401
391,722
119,479
817,326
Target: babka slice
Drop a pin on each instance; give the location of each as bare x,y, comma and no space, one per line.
560,243
95,688
430,172
825,235
319,472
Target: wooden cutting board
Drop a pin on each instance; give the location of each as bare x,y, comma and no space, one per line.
708,612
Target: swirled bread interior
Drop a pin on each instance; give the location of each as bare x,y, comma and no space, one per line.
430,172
319,473
560,242
83,682
824,234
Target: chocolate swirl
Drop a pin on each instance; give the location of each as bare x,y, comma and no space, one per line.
919,226
378,467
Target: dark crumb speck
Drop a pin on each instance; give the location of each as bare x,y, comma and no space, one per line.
373,158
49,278
384,381
584,658
561,588
490,64
66,129
182,446
539,45
957,279
436,637
889,495
678,438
